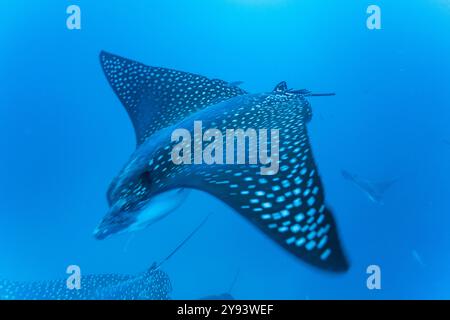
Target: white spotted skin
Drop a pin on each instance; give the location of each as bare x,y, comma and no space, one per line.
153,284
172,94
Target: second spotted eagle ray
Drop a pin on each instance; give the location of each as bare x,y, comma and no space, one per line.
151,284
288,206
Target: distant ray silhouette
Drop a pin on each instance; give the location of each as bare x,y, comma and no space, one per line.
373,190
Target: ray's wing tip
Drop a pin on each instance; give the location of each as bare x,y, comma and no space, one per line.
111,65
105,57
105,54
338,264
337,261
341,265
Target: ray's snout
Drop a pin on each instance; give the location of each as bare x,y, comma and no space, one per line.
100,233
111,223
123,216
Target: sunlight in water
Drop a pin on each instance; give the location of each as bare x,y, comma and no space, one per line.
443,3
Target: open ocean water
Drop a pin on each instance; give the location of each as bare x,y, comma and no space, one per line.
64,135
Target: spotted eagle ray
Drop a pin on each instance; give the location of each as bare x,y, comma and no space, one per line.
374,190
289,207
152,284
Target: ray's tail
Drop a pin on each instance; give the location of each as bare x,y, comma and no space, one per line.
307,93
321,94
183,242
236,276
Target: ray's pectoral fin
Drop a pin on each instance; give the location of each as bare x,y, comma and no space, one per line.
158,97
288,206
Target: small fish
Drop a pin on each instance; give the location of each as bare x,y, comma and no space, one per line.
373,190
289,206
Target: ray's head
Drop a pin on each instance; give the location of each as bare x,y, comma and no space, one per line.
282,91
135,202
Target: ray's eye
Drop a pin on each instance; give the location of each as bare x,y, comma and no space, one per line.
138,192
146,179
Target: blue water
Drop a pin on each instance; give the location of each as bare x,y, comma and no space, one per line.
64,136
